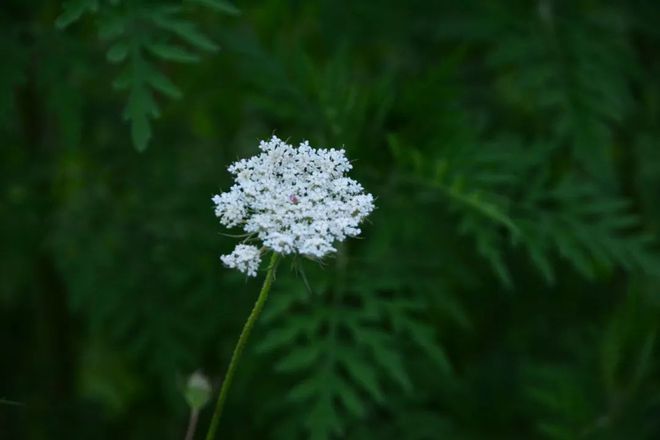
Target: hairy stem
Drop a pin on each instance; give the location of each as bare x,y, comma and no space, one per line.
240,345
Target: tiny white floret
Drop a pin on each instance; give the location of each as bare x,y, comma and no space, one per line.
245,258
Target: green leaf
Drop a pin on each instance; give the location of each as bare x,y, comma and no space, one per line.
423,336
349,398
171,52
277,337
73,10
117,53
187,31
323,420
388,359
299,358
140,106
163,84
304,390
360,371
112,27
219,5
140,131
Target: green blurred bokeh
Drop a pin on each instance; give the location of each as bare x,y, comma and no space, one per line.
506,287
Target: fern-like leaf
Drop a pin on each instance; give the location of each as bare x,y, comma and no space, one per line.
140,36
73,10
345,350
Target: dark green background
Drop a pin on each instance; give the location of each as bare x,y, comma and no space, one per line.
506,286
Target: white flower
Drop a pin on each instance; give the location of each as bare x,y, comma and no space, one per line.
294,200
245,258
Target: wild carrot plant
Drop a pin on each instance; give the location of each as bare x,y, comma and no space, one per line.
288,201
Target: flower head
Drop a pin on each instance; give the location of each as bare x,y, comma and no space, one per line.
295,200
245,258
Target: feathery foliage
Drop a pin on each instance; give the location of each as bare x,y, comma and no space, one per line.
342,339
139,35
506,286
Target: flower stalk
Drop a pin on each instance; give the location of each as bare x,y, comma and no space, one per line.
291,201
240,346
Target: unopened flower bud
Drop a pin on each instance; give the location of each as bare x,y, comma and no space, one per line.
198,391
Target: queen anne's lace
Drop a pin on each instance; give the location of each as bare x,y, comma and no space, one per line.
293,199
244,258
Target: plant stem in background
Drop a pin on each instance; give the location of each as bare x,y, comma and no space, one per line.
192,424
240,345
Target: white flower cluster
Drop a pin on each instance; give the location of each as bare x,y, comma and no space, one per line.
293,199
244,258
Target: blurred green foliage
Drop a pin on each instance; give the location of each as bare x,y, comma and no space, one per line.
506,286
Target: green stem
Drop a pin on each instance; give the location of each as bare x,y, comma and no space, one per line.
240,345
